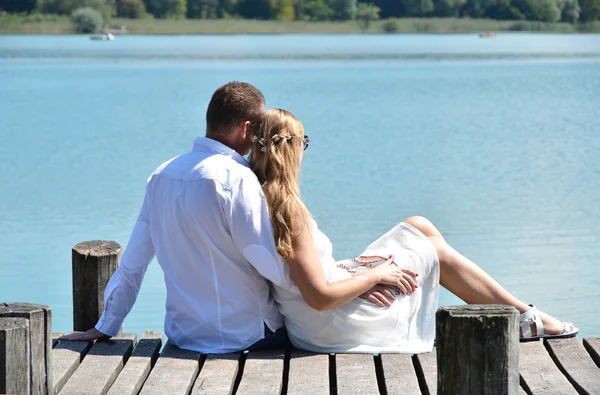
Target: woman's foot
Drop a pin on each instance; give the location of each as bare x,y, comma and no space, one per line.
552,326
535,325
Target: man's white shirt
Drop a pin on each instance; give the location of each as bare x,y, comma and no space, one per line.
205,219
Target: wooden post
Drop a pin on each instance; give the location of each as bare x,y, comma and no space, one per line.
39,344
478,350
14,356
94,262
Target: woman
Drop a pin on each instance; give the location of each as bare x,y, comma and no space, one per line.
320,300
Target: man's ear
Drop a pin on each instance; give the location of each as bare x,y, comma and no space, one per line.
246,130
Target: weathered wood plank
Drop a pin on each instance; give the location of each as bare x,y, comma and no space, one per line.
55,336
480,349
93,263
139,364
426,369
572,359
174,372
539,374
40,343
592,345
309,373
217,375
355,374
14,355
66,357
399,373
263,373
101,366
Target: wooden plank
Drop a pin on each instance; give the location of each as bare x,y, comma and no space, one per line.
55,336
139,364
426,368
592,345
539,374
66,357
92,264
101,366
40,343
217,375
355,374
14,355
576,364
480,349
399,374
174,373
263,373
309,373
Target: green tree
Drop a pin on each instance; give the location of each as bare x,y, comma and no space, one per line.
317,10
342,9
476,8
166,8
18,5
535,10
367,13
66,7
503,9
284,10
570,11
256,9
131,9
86,20
449,8
202,9
590,10
404,8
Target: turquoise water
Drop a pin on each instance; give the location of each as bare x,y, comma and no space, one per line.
496,141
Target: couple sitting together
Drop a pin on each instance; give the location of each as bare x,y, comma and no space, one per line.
246,266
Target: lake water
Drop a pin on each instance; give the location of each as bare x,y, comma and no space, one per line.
495,140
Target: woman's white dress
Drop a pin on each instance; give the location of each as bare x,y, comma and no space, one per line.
408,326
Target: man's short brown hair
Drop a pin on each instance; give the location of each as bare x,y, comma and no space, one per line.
232,104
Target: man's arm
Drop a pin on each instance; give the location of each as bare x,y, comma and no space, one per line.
123,287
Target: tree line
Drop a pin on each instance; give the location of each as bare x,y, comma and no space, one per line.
571,11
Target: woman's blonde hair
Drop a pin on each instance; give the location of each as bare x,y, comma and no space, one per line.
277,146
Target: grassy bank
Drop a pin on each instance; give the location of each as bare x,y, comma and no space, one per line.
52,24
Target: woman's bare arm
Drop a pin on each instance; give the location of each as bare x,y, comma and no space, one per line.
308,274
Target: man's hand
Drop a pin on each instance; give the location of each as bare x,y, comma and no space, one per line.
87,336
379,295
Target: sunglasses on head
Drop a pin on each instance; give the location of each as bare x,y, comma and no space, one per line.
305,142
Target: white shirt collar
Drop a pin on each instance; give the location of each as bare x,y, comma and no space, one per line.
205,143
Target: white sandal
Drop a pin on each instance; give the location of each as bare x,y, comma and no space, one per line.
532,327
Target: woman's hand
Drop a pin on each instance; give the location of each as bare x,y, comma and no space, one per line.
395,276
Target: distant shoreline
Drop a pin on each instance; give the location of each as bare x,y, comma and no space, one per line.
52,24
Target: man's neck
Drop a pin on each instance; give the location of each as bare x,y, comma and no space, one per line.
225,140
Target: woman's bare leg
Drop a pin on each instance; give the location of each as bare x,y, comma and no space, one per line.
468,281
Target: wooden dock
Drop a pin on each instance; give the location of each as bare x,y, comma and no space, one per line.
478,353
123,366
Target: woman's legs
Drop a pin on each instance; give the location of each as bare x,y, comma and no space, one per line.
468,281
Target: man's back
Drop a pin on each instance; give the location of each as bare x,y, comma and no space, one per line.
216,300
205,219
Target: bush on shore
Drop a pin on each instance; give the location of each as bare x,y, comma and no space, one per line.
86,20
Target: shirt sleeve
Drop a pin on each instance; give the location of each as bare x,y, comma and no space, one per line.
251,229
123,287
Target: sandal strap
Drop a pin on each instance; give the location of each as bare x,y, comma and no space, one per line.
531,316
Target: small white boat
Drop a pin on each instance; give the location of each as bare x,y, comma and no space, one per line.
103,37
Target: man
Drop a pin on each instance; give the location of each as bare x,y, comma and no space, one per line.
205,219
